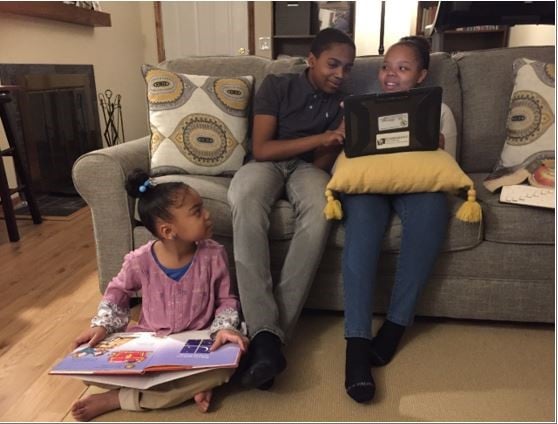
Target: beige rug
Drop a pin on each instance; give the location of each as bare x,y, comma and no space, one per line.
45,217
447,370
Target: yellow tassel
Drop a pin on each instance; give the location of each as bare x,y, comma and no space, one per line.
470,211
332,209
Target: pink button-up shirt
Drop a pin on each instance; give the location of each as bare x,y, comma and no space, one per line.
201,296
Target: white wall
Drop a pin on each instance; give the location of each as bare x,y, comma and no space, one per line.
532,35
262,25
400,18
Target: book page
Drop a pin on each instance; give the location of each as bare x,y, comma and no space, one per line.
140,352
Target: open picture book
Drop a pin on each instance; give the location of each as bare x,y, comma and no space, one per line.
142,360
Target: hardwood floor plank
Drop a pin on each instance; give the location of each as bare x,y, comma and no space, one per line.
48,293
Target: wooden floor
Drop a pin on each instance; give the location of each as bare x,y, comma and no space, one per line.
48,293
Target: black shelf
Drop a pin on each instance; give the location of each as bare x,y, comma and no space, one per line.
451,41
455,41
295,25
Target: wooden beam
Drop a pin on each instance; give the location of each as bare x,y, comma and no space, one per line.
251,29
159,31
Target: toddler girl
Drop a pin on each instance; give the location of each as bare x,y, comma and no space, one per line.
185,284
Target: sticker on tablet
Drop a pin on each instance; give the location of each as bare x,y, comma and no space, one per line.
393,122
392,140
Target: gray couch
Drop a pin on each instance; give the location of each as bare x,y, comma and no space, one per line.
499,269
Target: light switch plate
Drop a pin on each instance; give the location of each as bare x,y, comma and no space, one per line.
265,43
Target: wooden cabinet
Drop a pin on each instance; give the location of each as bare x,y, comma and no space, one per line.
295,24
477,37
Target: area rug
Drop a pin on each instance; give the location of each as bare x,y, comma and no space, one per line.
446,370
53,208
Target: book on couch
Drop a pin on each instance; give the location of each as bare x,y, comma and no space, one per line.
143,359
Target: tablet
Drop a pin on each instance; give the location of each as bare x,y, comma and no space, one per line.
403,121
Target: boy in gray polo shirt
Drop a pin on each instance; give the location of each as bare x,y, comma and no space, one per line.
297,134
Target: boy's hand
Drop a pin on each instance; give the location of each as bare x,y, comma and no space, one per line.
91,336
333,138
337,136
232,336
341,127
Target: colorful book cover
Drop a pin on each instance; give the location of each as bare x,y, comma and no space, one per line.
144,352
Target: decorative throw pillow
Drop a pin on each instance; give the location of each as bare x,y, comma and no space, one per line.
199,124
391,173
528,152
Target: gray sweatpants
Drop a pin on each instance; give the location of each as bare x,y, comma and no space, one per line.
254,189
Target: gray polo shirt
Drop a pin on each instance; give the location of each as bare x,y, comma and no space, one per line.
300,109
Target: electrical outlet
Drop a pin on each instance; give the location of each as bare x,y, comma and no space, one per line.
265,43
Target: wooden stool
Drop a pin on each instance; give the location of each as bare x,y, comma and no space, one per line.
23,180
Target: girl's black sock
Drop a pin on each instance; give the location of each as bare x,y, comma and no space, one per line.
359,383
385,343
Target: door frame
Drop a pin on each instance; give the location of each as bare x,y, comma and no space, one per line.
159,30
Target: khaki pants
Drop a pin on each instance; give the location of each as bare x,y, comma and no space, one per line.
171,393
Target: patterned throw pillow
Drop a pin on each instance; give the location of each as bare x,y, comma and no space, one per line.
528,152
199,124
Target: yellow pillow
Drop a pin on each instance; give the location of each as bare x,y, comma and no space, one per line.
408,172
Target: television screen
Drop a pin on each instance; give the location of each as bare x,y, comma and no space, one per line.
456,14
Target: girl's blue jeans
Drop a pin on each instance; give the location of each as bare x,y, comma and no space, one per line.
424,219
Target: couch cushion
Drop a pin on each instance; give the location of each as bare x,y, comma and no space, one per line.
487,81
221,66
214,193
502,223
513,224
291,65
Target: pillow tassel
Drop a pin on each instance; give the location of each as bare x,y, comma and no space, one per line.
470,211
332,209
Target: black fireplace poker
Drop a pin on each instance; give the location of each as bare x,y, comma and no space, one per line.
112,116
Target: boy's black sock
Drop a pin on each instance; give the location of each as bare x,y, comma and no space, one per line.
359,383
385,343
265,361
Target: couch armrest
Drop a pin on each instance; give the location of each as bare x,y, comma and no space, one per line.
99,177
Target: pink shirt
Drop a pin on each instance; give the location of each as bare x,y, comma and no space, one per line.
170,306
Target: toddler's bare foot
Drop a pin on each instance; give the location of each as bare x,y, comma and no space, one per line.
203,399
95,405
